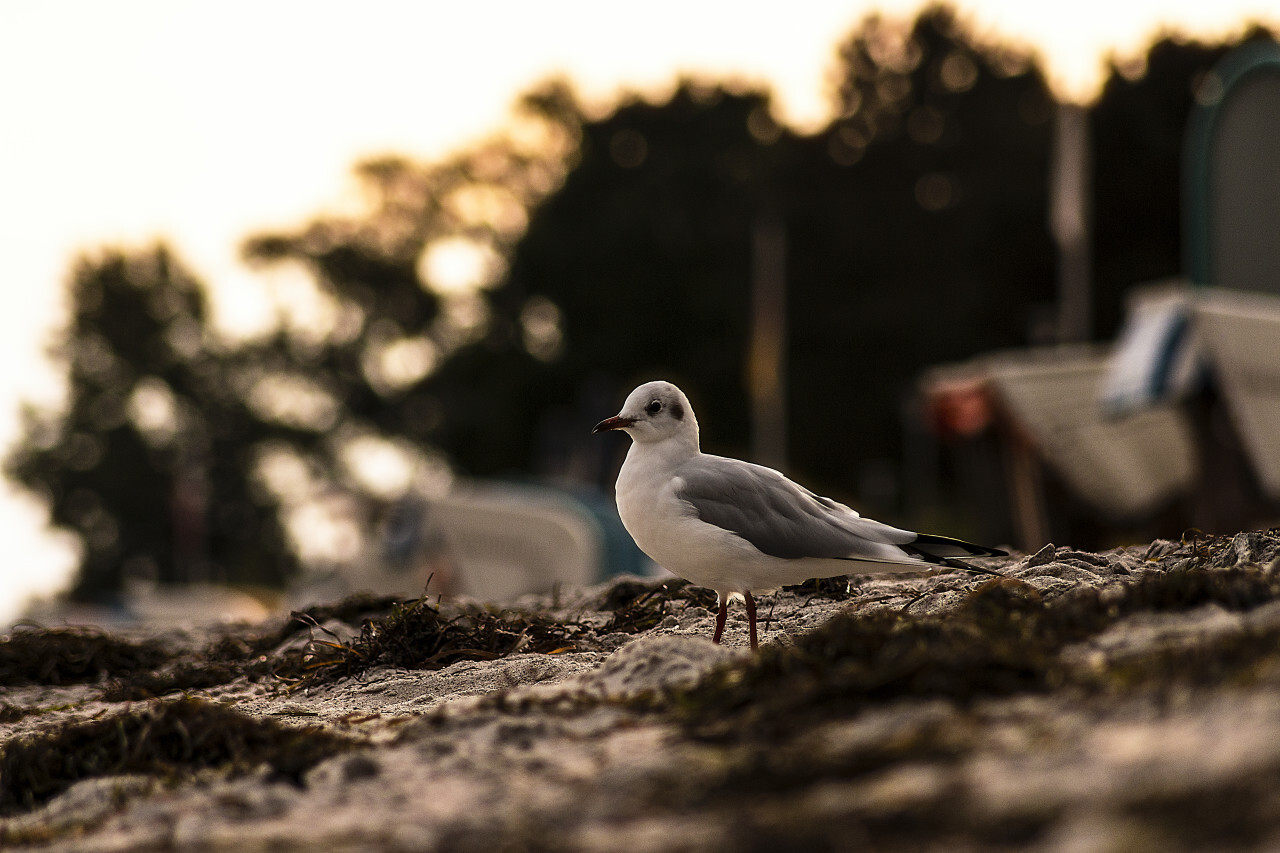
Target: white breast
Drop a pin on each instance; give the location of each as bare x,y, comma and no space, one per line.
670,532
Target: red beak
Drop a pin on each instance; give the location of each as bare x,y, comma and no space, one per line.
615,422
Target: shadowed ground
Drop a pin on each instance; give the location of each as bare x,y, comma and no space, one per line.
1124,700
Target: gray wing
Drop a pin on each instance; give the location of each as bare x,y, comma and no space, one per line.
781,518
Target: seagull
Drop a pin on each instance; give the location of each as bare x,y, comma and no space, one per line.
735,526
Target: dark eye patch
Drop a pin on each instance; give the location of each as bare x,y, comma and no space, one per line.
677,411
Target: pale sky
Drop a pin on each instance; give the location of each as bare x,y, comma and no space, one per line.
200,123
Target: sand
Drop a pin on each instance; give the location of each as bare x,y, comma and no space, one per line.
1126,700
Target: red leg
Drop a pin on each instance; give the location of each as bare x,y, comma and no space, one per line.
751,620
720,617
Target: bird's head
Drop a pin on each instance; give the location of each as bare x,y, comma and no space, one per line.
654,412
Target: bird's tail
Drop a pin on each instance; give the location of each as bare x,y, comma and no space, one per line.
945,551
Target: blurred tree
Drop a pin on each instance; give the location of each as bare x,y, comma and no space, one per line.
403,282
919,238
150,466
183,456
641,259
1138,124
916,225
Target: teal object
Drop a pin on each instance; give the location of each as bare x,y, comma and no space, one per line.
1231,173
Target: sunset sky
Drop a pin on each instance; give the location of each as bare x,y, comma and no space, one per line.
200,123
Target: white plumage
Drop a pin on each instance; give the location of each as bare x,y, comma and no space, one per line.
735,527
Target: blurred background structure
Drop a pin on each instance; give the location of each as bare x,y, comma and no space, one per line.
1174,426
433,352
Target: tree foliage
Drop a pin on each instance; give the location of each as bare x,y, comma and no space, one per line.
151,464
915,224
402,324
921,238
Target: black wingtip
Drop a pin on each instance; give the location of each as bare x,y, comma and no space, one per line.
945,551
943,547
960,564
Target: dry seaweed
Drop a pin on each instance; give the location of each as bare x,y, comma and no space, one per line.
411,634
170,739
352,610
639,606
143,668
1004,639
77,655
836,588
1237,588
856,660
251,656
13,713
188,673
235,656
1199,550
416,635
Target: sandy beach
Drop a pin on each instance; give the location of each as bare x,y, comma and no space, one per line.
1121,700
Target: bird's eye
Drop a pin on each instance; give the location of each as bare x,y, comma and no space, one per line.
654,407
